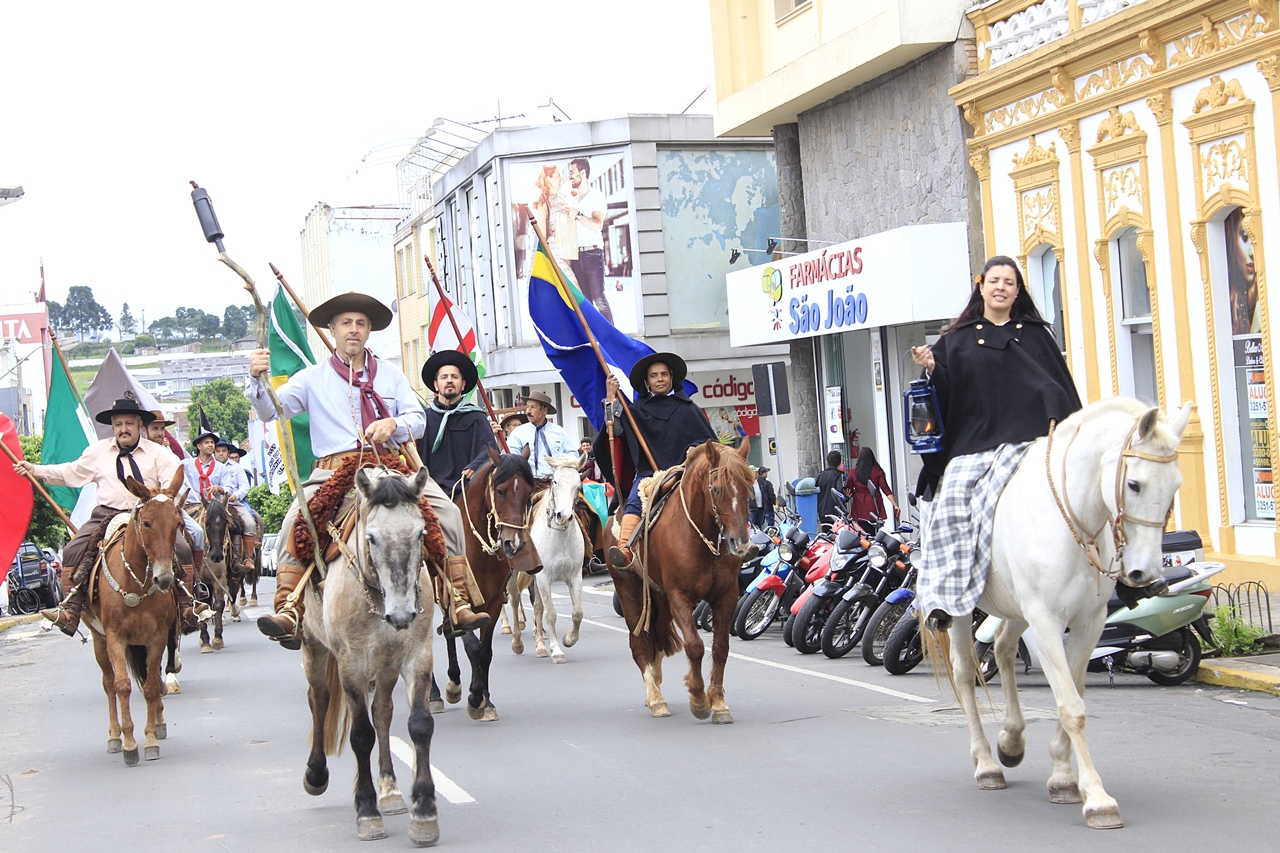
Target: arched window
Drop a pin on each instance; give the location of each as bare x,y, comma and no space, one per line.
1134,341
1044,280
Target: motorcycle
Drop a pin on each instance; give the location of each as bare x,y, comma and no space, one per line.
848,564
774,587
888,568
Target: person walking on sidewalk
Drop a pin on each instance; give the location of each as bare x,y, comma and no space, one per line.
865,486
830,485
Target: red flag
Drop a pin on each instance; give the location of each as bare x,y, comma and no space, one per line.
16,498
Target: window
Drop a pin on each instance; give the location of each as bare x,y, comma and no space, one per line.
1045,283
1135,303
783,8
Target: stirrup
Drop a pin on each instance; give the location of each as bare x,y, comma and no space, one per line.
619,560
291,640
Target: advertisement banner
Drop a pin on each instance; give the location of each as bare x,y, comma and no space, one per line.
1255,444
25,325
835,415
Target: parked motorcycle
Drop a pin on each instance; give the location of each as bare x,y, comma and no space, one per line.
888,567
815,605
774,587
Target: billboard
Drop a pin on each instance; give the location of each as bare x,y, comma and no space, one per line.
585,205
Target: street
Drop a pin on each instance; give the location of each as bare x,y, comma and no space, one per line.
823,755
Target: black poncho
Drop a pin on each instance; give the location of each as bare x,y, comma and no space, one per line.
467,439
671,425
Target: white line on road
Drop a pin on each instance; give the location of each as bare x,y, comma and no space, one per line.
888,691
445,786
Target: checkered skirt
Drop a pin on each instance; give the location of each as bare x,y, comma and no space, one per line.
956,544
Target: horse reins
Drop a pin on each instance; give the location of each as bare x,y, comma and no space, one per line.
1089,542
715,511
146,583
490,540
360,561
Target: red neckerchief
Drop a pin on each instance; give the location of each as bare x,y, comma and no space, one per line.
372,406
204,476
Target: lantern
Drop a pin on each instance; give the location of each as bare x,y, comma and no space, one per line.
920,417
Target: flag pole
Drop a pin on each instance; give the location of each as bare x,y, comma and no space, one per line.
62,358
595,345
457,333
39,488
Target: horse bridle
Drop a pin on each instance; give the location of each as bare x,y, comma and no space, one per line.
715,511
1114,569
551,505
147,583
490,540
360,562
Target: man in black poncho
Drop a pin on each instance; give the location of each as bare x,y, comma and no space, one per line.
458,435
670,422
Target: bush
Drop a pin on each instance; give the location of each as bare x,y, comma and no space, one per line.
46,529
271,507
1234,635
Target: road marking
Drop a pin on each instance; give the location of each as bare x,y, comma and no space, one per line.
888,691
445,786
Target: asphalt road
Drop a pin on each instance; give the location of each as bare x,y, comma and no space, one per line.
823,755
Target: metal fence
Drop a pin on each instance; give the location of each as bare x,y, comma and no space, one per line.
1250,600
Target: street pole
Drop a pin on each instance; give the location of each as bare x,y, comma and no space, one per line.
773,409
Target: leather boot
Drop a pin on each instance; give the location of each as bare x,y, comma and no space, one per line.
284,627
620,556
461,616
249,544
186,608
66,616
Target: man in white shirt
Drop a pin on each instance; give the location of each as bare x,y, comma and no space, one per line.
590,210
543,437
236,484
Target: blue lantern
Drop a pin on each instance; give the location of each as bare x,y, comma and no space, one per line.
920,417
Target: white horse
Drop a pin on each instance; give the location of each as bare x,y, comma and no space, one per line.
554,529
1107,487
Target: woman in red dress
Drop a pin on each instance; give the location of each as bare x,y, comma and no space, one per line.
865,485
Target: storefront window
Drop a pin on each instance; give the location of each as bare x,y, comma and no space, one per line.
1135,301
1250,371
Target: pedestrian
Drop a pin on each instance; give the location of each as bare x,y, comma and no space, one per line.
830,485
1000,379
762,500
865,486
590,470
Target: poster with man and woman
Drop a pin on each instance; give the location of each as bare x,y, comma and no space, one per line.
1251,371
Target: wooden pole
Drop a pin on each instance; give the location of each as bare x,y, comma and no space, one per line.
301,306
502,438
595,345
39,488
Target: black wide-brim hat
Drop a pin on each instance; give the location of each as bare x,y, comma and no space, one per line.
125,406
679,370
470,376
222,442
379,315
201,435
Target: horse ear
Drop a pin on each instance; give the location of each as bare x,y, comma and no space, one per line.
363,484
1147,422
1178,423
526,451
420,481
138,489
582,461
745,447
179,477
181,500
493,454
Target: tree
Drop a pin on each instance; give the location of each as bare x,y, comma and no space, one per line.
46,529
127,324
226,406
165,329
208,325
234,324
57,319
82,314
144,341
271,507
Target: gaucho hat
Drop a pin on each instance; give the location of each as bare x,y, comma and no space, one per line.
470,376
125,406
222,442
540,397
161,417
518,417
379,315
203,432
679,370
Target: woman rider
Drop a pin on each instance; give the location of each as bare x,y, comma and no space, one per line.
1000,379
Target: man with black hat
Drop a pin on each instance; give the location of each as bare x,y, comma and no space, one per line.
353,401
236,484
108,463
670,422
544,438
458,434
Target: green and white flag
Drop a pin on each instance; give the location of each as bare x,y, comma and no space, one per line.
290,353
67,430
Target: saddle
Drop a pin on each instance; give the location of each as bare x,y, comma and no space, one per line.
655,491
106,535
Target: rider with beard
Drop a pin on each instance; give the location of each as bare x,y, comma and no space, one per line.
458,434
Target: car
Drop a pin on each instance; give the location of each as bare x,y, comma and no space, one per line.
33,580
269,554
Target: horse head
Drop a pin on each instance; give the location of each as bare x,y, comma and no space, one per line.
216,522
389,535
154,526
562,494
509,494
1139,480
728,480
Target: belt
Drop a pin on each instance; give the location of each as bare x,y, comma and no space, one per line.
583,249
334,461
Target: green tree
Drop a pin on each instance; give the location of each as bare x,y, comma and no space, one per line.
234,324
57,318
226,406
46,529
271,507
144,340
82,314
208,325
165,329
127,324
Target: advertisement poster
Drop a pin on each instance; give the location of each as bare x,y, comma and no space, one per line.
1255,421
835,415
730,404
584,204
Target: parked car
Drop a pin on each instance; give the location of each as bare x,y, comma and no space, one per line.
269,554
33,581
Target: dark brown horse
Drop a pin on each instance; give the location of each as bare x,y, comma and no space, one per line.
692,553
495,512
212,586
131,612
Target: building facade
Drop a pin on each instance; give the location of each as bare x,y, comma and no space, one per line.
1127,156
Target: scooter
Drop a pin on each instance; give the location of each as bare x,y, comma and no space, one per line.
1157,638
773,588
888,567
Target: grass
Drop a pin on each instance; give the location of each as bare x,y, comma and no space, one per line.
1235,635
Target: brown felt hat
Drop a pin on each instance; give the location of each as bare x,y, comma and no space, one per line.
539,397
362,303
160,416
518,417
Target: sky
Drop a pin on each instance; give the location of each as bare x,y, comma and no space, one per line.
108,110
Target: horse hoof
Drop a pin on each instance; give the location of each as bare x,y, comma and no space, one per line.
205,649
1064,794
171,685
542,653
453,693
151,753
506,629
723,717
370,828
218,645
518,648
315,790
475,713
557,659
113,746
392,803
424,831
131,758
490,714
992,780
235,618
569,641
242,601
253,602
435,706
235,611
162,731
660,710
700,711
1107,817
1009,760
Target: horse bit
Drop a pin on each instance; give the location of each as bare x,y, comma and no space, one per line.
147,582
490,540
715,511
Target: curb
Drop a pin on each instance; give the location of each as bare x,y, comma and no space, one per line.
1236,676
8,622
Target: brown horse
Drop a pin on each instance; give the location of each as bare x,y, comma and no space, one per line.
212,582
692,552
131,613
495,512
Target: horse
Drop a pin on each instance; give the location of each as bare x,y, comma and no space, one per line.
559,540
216,522
692,552
372,627
495,507
238,577
131,612
1121,458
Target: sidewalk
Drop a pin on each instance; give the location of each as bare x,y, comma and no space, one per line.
1261,672
7,622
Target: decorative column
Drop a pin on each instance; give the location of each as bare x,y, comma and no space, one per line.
1070,135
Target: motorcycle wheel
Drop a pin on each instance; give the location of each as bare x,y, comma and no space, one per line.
788,628
882,623
702,616
807,633
756,614
843,631
24,601
902,652
1190,655
617,604
986,653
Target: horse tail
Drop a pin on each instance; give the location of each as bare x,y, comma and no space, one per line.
936,646
136,659
336,720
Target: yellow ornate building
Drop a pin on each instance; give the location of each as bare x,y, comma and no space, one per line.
1127,156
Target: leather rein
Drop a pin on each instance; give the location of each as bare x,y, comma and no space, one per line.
1088,542
360,562
146,583
715,511
490,538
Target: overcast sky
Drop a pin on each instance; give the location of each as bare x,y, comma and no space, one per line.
110,109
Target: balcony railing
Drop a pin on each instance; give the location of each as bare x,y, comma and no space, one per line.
1008,29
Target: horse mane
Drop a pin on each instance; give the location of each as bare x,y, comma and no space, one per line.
391,492
510,465
1161,436
732,464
